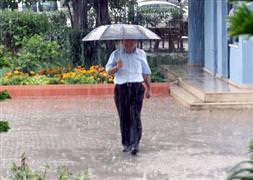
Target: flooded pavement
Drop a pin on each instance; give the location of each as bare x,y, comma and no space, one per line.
81,133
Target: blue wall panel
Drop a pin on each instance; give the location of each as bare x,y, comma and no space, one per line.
222,48
196,32
209,36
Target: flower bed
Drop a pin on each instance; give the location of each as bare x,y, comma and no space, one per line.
64,82
59,75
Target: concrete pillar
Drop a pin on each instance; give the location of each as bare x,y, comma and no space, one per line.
196,32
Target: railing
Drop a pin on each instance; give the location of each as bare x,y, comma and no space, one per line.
173,38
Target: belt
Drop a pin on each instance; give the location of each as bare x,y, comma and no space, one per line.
129,84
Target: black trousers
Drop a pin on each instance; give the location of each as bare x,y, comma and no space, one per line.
128,98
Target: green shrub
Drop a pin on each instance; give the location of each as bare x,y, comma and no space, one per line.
24,172
54,80
59,32
156,76
4,95
65,174
241,22
37,53
5,57
14,80
57,18
80,80
5,70
251,149
36,80
172,59
4,126
17,25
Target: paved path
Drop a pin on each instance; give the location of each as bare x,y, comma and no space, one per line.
80,133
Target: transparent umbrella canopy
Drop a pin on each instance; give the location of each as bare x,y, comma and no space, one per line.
120,32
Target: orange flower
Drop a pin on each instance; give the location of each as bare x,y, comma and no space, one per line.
42,71
32,73
101,69
78,67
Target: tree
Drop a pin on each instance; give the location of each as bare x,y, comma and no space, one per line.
102,12
79,16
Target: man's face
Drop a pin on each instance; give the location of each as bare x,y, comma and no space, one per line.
129,45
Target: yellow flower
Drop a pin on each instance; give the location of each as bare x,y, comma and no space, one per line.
72,74
104,74
18,68
83,71
8,74
91,71
16,72
94,68
91,78
79,69
65,75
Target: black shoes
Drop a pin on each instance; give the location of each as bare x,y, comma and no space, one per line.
134,151
126,149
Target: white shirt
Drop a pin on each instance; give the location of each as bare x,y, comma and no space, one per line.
134,66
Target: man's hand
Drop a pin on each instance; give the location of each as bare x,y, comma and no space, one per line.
114,69
119,64
147,84
148,93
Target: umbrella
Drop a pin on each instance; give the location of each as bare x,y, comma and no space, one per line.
120,32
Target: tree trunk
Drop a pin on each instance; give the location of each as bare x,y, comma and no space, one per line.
102,13
80,14
71,16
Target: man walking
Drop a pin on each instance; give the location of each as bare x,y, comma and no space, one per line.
130,68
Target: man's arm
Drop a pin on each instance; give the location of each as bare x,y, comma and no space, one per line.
147,84
146,72
114,69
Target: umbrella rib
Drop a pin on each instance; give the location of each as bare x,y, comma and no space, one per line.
123,32
142,32
105,30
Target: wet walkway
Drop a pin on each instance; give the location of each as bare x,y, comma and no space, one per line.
80,133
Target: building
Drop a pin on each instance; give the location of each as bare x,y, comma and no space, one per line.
43,6
211,48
